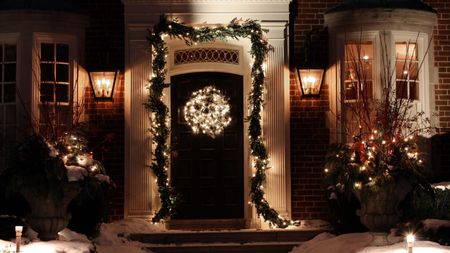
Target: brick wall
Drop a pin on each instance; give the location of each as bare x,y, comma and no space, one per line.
440,144
309,132
105,48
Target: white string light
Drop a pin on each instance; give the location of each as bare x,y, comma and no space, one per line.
207,111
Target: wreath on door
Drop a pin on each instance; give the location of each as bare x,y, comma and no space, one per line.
207,111
260,48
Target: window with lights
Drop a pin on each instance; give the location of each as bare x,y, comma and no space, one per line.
407,70
358,70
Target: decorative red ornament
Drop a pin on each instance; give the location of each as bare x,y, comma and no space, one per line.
359,149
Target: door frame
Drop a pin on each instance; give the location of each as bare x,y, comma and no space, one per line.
243,69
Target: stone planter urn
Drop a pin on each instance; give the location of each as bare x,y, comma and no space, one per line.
49,211
379,207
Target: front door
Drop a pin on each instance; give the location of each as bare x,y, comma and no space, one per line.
207,172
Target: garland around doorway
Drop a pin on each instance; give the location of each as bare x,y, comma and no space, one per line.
159,112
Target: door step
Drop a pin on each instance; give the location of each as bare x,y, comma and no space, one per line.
278,247
240,241
206,224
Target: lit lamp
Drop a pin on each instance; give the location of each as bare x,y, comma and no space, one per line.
102,83
310,80
410,242
18,237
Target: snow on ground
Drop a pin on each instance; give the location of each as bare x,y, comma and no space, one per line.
358,243
442,185
435,224
113,236
47,247
113,239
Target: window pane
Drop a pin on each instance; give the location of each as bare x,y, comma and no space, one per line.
47,72
366,88
351,91
62,72
401,70
10,113
414,71
46,92
363,51
10,52
47,52
366,70
1,94
62,53
413,90
10,72
62,93
9,92
401,89
406,51
1,72
350,73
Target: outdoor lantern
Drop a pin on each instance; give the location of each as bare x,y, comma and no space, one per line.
102,83
18,237
410,242
310,80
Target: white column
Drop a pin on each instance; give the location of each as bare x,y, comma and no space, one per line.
139,188
276,120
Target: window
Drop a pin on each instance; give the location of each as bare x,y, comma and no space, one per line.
54,63
358,76
8,64
375,60
407,70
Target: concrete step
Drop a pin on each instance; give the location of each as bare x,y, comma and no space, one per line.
206,224
232,236
271,247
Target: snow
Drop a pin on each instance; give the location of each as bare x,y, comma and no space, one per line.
113,238
48,247
103,178
358,243
442,185
75,173
435,224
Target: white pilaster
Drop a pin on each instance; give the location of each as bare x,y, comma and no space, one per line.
139,188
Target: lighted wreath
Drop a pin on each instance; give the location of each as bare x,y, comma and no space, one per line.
207,111
160,112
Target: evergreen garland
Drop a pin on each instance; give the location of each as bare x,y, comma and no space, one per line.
159,111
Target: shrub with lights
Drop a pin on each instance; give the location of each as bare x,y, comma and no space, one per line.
50,174
160,113
383,164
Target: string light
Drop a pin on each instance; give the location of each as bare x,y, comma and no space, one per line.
207,111
259,51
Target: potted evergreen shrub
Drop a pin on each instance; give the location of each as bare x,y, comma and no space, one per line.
383,164
49,175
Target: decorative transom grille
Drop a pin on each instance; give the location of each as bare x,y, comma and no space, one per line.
195,55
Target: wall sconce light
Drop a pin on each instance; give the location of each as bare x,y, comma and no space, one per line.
310,80
102,84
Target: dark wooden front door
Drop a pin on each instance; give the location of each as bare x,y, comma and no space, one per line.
206,171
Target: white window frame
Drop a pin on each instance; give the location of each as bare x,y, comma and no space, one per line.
74,56
423,102
424,99
13,38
